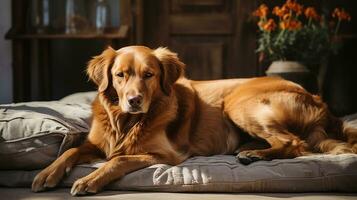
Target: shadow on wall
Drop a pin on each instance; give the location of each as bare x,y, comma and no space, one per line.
5,53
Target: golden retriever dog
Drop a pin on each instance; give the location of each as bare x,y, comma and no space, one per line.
146,112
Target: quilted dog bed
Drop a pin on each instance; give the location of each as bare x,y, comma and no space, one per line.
34,134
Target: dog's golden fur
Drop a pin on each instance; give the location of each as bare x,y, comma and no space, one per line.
173,118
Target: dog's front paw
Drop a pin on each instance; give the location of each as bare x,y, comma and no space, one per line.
48,178
249,156
86,185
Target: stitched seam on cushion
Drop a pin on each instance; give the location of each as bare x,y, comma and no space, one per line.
40,135
48,118
32,151
63,122
243,182
291,161
33,137
205,164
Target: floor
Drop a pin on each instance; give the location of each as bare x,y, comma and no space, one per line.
26,194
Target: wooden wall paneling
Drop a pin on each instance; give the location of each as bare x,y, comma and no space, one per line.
138,15
45,74
340,84
125,10
39,70
156,23
185,25
200,6
131,15
18,8
199,32
204,60
200,2
204,24
34,66
242,57
21,72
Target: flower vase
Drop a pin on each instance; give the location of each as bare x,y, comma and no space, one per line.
295,72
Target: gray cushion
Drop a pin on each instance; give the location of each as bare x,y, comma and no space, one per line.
33,134
222,173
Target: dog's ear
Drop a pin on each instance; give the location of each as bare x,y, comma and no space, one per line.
98,68
171,68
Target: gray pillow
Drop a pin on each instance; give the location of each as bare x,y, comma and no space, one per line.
33,134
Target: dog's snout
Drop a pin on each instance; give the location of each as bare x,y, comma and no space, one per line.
135,101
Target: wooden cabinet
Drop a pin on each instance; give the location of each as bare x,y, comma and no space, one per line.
51,65
213,37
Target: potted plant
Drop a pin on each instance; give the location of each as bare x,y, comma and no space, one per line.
295,40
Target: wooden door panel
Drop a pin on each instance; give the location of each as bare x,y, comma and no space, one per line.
204,24
213,37
199,2
201,6
203,59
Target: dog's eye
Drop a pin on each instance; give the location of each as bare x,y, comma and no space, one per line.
148,74
120,74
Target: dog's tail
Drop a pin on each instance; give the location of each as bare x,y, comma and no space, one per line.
349,131
342,136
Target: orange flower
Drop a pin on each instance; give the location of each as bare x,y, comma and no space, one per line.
287,16
341,14
311,13
283,25
290,3
290,25
269,26
262,11
299,8
295,24
294,6
280,12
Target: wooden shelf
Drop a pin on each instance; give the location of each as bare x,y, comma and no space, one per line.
122,33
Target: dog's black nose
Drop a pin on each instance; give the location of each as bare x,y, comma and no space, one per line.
135,101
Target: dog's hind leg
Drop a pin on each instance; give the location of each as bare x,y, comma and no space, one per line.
283,144
262,122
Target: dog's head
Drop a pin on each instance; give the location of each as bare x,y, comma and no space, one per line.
136,75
